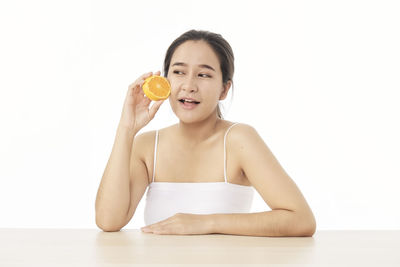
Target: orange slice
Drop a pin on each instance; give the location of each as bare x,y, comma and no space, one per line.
156,88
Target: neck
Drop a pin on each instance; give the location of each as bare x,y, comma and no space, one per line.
195,133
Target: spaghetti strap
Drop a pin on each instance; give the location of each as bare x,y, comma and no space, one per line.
164,199
155,155
225,150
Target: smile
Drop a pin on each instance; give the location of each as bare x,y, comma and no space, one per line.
188,104
189,101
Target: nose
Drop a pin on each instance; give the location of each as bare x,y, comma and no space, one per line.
189,85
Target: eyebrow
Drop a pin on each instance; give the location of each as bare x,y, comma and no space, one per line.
200,65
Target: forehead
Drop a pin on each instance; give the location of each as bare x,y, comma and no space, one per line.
195,53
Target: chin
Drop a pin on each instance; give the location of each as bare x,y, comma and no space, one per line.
192,118
188,119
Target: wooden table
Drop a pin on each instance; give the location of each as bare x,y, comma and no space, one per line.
92,247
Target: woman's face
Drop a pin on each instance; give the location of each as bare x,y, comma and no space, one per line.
196,81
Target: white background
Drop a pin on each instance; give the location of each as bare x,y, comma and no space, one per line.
319,81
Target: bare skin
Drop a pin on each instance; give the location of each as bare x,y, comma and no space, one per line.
192,151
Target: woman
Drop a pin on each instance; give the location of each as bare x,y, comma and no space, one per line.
201,172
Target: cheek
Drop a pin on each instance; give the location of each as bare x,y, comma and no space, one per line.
172,101
171,80
174,88
174,93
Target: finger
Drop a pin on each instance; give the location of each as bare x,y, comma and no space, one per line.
152,225
158,230
154,108
141,82
140,79
146,100
159,224
157,73
146,230
145,75
139,87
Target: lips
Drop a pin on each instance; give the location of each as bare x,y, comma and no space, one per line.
189,100
188,103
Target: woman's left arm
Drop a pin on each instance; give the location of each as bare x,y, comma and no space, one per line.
290,214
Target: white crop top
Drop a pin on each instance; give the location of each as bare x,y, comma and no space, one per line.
165,199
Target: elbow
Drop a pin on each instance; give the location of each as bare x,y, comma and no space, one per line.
302,225
309,231
308,228
107,226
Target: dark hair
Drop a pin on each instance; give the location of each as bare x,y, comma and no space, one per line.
220,46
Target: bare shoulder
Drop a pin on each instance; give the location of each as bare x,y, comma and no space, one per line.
143,143
245,142
243,128
243,133
145,137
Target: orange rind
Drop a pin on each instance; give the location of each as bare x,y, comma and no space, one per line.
156,88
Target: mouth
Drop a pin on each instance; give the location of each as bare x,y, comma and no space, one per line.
188,101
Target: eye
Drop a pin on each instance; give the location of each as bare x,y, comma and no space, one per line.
177,72
203,75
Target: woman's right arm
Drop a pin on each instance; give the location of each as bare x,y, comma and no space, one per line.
120,183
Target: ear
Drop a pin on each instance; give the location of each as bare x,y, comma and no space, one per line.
225,91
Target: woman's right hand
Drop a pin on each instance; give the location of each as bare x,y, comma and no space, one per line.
137,112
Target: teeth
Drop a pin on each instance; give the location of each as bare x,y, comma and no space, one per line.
189,101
